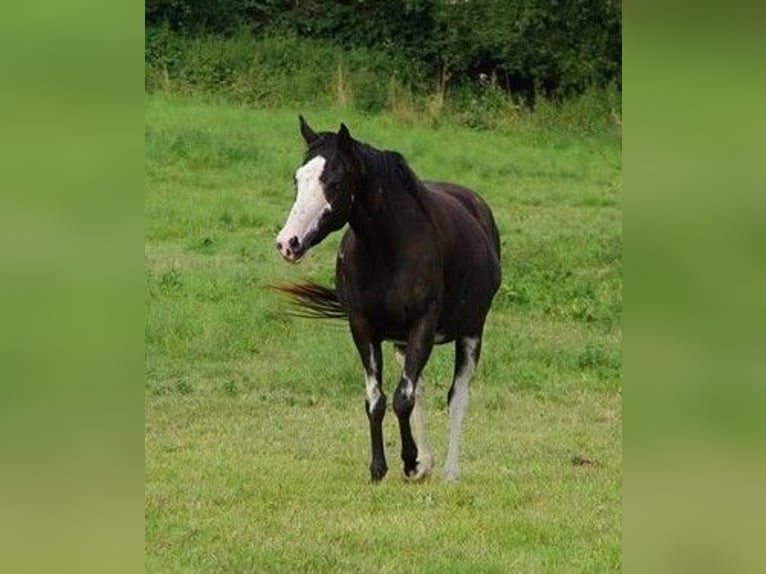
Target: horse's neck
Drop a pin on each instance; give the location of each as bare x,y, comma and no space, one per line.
384,215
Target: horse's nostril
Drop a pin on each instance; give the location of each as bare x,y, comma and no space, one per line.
279,246
294,242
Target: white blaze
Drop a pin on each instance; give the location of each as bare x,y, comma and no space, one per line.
310,202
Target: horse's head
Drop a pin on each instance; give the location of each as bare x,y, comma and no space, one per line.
325,185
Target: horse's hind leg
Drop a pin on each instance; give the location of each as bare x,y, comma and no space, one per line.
425,458
467,350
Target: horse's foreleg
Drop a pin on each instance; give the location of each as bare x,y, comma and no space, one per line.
375,406
467,350
419,345
375,401
424,458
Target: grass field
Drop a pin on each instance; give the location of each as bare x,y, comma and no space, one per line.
256,442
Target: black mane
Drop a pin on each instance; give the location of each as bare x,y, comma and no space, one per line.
391,167
387,166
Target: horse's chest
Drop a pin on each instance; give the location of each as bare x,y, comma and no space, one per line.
395,296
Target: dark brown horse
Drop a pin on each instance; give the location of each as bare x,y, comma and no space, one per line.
418,266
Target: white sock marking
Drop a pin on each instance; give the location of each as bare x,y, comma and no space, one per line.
457,409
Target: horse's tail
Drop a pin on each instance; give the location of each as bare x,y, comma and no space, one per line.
312,300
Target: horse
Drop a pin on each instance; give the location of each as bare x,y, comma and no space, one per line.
418,265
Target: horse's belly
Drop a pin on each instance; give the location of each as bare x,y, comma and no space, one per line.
392,299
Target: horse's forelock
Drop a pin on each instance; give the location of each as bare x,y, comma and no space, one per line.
315,146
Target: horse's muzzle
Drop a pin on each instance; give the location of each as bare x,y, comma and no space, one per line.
292,251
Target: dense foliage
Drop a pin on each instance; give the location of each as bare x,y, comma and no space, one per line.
554,48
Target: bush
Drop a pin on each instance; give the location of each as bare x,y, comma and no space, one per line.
483,107
597,110
268,71
542,48
287,70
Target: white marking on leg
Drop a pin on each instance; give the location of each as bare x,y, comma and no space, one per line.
310,204
371,382
409,388
425,458
457,408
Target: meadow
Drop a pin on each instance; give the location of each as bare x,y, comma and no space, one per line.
256,441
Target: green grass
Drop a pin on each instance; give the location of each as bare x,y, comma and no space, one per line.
257,447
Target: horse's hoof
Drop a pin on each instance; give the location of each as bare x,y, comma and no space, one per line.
420,472
450,474
378,472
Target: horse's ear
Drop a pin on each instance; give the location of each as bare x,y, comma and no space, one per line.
344,138
308,134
